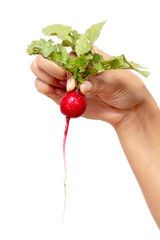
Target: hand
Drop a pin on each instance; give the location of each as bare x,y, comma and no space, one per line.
111,96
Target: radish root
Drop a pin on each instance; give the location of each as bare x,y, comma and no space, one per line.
65,164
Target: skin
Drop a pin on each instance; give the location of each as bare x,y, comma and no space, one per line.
120,98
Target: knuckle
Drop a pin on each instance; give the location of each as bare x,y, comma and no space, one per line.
142,89
141,85
96,86
36,83
46,89
138,83
33,66
72,54
39,60
42,87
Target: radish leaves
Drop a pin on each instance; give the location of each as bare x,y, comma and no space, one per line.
86,64
85,42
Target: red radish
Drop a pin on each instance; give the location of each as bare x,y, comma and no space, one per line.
72,105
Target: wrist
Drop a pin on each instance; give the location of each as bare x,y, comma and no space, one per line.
139,135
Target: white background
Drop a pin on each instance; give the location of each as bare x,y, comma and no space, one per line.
104,200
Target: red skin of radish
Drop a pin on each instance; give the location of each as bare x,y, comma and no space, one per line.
73,104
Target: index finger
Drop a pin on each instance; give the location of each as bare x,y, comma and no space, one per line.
51,68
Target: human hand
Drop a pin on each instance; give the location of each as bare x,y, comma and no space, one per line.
112,95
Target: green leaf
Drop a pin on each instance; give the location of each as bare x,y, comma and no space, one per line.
116,63
56,53
82,61
74,35
65,33
63,54
86,40
81,64
70,65
42,47
61,31
82,45
94,31
97,62
138,68
121,63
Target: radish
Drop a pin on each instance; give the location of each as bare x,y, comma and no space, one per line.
86,64
72,105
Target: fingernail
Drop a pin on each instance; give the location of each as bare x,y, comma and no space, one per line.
87,87
70,84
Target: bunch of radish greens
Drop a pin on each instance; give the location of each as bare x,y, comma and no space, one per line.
86,64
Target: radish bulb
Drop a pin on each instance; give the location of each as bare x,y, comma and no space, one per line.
73,104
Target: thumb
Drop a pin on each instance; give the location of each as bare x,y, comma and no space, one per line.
91,87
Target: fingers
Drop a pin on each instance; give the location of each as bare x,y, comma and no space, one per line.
45,77
50,67
48,90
